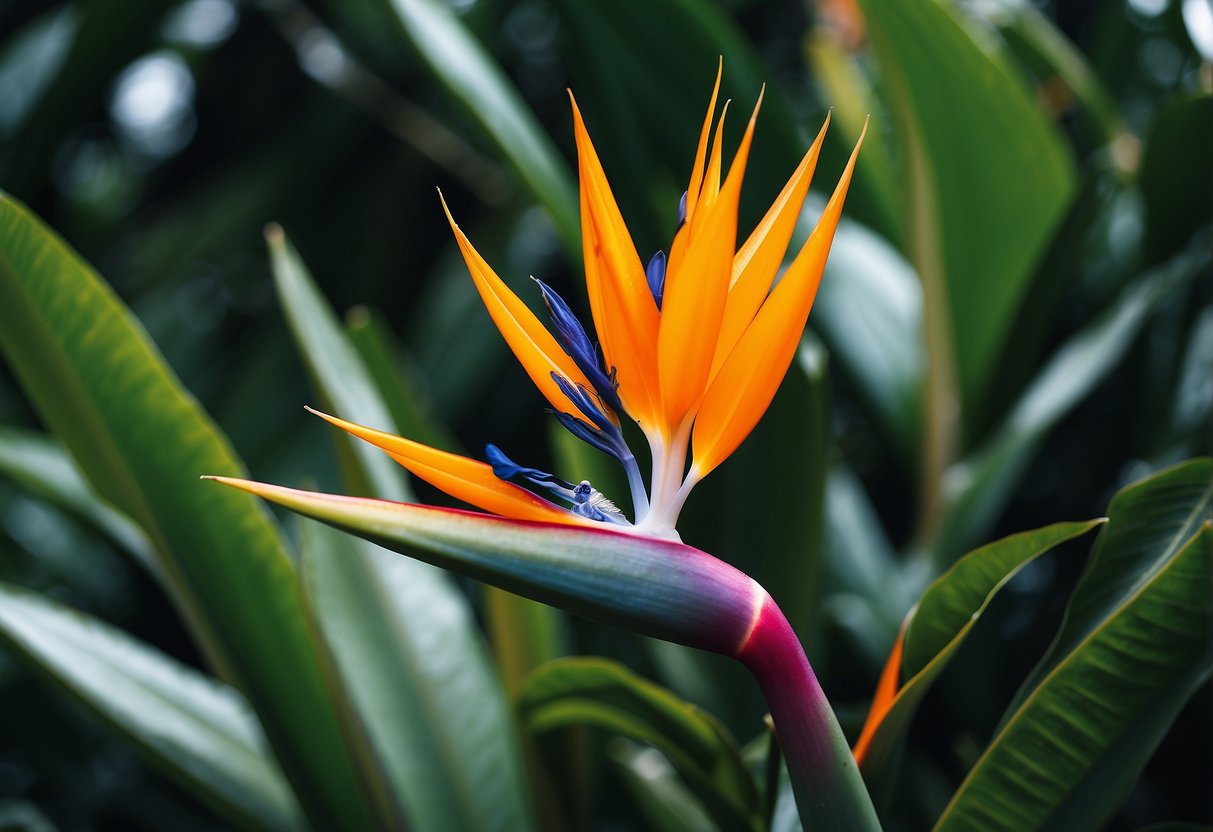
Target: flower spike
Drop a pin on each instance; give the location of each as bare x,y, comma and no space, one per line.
693,348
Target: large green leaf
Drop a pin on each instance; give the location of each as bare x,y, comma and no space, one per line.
1149,522
602,693
39,463
434,717
401,637
983,191
466,70
945,615
1070,754
199,731
142,440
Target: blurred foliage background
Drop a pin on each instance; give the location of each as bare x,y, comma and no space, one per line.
1072,350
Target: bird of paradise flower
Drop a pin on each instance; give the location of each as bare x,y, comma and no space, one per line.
691,347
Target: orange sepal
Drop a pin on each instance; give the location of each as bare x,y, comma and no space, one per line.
882,701
757,261
535,347
469,480
695,291
625,314
743,388
701,149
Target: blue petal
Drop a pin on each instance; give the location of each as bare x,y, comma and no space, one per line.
589,434
578,346
682,211
506,469
586,403
655,272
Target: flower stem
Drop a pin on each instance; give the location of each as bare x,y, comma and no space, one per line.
829,790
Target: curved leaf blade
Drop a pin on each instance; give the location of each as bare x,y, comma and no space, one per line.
602,693
467,71
1149,521
1071,752
941,622
141,439
975,256
199,731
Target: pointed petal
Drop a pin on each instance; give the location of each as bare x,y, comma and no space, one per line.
711,179
695,293
886,693
464,479
757,261
656,587
742,390
696,183
620,301
535,347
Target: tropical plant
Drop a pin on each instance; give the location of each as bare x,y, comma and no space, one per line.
1014,329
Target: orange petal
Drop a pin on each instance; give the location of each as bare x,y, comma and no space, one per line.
464,479
535,347
743,388
711,179
695,292
758,260
625,314
882,701
702,148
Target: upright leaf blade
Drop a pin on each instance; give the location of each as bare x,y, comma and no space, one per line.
467,71
986,189
401,637
100,384
200,732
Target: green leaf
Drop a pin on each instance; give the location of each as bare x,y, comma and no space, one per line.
142,441
1070,754
436,734
432,713
945,615
979,486
337,371
602,693
39,463
198,731
397,380
1149,522
658,793
466,70
984,191
1175,172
